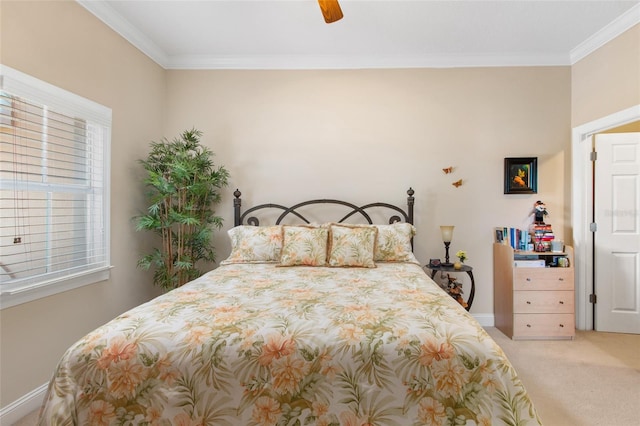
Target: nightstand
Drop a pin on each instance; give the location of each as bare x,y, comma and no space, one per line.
534,302
465,268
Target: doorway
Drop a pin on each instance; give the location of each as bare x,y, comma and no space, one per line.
582,207
616,241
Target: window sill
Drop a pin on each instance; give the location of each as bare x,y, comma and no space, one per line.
31,292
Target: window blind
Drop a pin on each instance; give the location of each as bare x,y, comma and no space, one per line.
53,210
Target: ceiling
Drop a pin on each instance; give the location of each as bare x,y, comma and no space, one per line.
291,34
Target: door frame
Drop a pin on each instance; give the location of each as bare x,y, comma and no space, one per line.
582,206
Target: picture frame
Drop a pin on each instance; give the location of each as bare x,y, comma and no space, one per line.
521,175
434,263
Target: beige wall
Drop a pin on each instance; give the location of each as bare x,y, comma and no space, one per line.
362,135
608,80
367,135
63,44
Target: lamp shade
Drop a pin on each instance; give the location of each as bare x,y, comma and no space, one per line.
447,233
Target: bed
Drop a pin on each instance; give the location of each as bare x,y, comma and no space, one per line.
314,323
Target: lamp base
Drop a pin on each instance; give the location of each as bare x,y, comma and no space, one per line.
447,264
446,257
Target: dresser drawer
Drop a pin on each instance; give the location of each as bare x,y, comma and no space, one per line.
543,278
543,302
543,325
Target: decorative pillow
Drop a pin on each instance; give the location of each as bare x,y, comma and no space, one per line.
352,245
304,245
254,244
394,243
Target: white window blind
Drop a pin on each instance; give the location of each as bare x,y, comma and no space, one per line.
54,195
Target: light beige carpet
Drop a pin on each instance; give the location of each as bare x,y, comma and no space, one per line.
593,380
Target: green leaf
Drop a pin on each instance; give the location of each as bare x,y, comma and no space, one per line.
182,184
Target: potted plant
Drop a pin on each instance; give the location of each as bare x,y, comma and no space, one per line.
183,186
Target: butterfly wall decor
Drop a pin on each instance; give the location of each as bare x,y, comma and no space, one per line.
448,170
457,183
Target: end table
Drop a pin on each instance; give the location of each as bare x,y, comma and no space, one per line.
465,268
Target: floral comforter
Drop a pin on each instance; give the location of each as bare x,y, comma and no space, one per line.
264,345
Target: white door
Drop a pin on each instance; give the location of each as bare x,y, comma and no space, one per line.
617,239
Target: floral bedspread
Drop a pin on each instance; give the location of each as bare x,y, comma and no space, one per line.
265,345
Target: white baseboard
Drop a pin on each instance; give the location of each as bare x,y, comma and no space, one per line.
23,405
485,320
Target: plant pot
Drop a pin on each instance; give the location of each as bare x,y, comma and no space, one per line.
457,265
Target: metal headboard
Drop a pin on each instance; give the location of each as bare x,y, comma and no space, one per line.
248,217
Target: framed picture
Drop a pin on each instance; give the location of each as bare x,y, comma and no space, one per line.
434,263
521,175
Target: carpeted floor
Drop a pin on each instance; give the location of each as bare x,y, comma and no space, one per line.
593,380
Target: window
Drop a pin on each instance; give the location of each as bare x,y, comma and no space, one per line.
54,192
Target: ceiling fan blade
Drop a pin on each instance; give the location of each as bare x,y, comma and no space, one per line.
330,10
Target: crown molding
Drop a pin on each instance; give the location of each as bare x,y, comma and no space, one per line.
301,62
618,26
115,21
133,35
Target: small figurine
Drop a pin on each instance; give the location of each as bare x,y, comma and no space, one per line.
540,211
454,289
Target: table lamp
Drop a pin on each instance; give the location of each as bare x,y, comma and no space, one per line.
447,234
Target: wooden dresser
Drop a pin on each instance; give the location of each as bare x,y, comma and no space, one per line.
533,302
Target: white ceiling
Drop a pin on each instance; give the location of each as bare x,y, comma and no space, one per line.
291,34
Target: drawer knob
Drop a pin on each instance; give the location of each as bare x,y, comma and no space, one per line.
561,325
529,325
528,279
560,279
561,302
528,303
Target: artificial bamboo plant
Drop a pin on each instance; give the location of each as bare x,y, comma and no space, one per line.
183,186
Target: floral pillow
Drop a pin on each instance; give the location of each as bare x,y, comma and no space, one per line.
254,244
352,245
394,243
304,246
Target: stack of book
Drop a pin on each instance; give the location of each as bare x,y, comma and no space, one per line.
529,263
542,236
